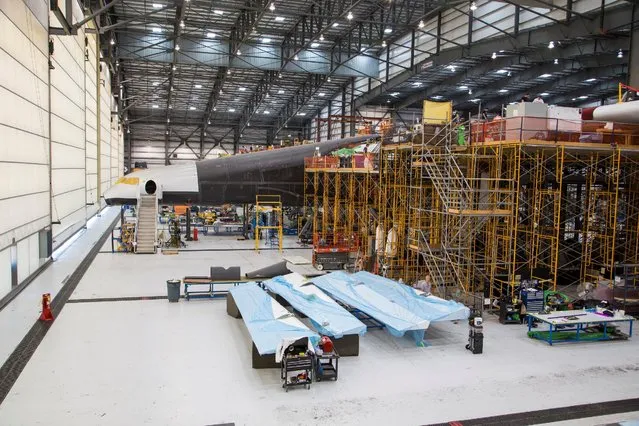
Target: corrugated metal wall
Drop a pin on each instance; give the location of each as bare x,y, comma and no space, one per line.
48,134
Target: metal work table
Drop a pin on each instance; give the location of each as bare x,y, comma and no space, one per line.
210,292
579,322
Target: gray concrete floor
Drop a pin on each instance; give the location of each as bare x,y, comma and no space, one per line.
151,362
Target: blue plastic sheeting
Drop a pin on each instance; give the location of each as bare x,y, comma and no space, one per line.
268,322
431,308
347,289
325,314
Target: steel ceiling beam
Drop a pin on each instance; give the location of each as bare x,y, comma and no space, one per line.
245,24
615,18
496,100
580,56
605,89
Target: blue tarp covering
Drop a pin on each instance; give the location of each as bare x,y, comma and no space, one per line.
428,307
328,317
267,321
397,319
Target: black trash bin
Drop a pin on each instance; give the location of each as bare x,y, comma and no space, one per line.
173,290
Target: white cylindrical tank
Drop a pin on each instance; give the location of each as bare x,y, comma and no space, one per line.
626,112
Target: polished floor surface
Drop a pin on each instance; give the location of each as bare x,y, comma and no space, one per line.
150,362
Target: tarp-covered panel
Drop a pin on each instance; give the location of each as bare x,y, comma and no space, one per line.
431,308
327,316
268,322
347,289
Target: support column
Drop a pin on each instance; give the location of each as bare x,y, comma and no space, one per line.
633,61
236,140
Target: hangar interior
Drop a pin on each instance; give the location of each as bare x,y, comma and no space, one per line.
208,205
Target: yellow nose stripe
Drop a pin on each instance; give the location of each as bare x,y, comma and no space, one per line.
128,181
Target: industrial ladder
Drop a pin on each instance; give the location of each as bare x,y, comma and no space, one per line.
146,227
464,205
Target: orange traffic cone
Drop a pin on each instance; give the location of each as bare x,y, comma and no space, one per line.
46,314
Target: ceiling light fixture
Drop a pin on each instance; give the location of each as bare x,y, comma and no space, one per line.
239,52
266,40
620,54
544,94
494,55
301,113
198,86
267,112
556,62
590,80
155,83
232,110
421,24
452,68
583,97
463,87
335,24
157,6
503,91
279,75
383,43
112,42
321,37
157,29
177,47
218,12
470,91
328,79
280,92
349,16
321,95
279,18
315,45
242,89
271,7
297,58
181,24
228,72
437,97
473,6
551,45
388,30
192,108
545,76
156,106
210,35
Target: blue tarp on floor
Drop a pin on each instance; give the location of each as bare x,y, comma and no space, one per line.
431,308
268,322
397,319
326,315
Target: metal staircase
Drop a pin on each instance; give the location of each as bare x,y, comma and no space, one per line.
460,205
146,227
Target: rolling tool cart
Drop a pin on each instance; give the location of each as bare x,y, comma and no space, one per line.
326,366
297,369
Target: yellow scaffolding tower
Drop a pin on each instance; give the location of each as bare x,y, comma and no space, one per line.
272,205
341,200
575,212
394,260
